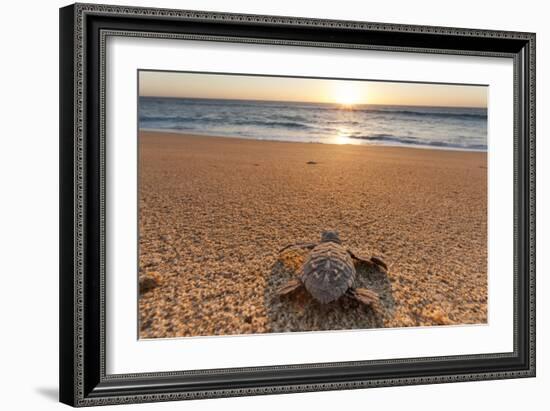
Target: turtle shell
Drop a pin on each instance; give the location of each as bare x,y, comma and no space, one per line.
328,272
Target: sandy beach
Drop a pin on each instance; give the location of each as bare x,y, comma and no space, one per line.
215,211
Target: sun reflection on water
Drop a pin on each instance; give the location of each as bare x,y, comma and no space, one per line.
342,137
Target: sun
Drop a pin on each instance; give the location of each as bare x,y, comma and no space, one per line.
345,94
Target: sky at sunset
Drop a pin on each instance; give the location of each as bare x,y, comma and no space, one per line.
346,92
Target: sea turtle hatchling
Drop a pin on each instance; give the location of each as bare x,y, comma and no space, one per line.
329,272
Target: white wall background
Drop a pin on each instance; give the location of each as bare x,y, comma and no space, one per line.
29,204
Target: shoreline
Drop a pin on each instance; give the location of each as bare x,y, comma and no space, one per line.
359,142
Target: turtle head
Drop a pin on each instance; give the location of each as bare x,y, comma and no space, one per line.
330,236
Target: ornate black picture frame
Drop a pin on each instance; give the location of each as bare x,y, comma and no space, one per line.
83,30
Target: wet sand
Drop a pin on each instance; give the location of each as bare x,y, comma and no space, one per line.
215,211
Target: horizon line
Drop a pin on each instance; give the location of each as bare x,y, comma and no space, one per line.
309,102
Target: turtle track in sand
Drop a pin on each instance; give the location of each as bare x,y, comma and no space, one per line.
299,311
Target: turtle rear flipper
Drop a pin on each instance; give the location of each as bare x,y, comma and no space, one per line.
289,286
366,297
372,261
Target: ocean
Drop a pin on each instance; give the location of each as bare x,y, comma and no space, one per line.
461,128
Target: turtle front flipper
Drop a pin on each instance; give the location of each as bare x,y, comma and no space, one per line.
289,286
305,246
378,261
373,261
366,297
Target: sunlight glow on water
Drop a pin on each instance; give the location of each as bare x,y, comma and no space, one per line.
342,137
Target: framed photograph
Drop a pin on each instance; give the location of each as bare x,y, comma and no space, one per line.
261,204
